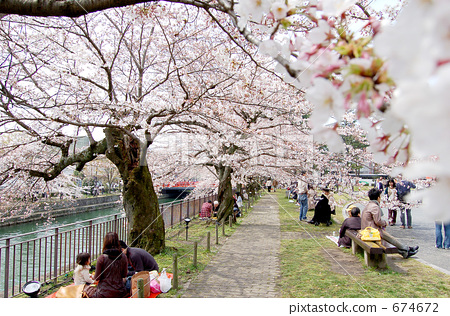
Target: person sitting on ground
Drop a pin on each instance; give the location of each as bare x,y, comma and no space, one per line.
371,217
215,209
236,207
205,212
239,201
351,223
110,271
323,209
81,273
138,260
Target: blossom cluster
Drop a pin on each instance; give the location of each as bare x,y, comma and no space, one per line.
393,75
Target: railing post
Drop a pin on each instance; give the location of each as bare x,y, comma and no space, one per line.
161,211
171,215
7,254
230,219
181,211
188,204
208,241
55,267
90,234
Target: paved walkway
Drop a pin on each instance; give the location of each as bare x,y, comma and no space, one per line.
422,234
247,265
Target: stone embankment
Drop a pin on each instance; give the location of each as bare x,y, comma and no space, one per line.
61,208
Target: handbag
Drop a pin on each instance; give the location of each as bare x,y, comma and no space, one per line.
370,234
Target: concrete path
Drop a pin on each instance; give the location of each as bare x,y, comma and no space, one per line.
422,234
247,265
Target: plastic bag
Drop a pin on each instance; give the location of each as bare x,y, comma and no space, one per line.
164,282
154,284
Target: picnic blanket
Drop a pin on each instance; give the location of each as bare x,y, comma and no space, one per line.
333,239
152,295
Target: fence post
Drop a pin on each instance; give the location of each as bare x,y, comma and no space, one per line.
175,271
7,254
208,241
140,286
55,268
230,219
217,233
195,253
223,226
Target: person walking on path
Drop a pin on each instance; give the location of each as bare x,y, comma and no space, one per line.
269,185
302,191
245,267
442,242
392,202
403,189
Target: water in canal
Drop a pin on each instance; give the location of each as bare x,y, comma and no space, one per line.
38,226
40,229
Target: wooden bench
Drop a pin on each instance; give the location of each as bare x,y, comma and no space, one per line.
374,251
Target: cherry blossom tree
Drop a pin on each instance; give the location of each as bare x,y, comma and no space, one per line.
345,55
63,74
238,127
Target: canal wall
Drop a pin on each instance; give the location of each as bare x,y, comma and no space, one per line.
62,208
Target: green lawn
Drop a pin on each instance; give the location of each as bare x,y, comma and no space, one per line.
308,268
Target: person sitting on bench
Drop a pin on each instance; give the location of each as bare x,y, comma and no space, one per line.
371,216
351,223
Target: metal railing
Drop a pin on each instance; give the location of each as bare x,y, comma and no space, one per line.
49,254
174,213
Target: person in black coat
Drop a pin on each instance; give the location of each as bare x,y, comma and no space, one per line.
322,211
351,223
138,260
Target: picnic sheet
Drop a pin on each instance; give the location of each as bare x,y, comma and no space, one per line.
152,295
333,239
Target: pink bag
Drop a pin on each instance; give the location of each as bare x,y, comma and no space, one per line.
154,286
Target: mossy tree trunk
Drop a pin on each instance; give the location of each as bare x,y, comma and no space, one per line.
139,197
225,192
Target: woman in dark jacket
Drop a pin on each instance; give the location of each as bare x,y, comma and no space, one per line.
322,211
111,269
351,223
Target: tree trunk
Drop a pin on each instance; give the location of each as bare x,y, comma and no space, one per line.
142,209
139,198
225,193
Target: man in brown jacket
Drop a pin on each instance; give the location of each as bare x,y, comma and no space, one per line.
371,216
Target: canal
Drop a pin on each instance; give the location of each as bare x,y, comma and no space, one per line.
75,219
22,235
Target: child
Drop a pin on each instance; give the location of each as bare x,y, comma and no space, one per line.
81,274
